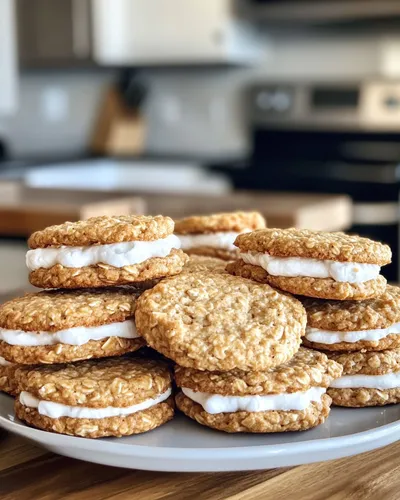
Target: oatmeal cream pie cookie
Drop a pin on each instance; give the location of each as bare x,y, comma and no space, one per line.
372,325
290,397
370,378
7,377
313,263
104,251
213,235
220,322
62,326
94,399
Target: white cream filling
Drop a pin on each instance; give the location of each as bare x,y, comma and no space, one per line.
223,240
4,362
57,410
333,337
72,336
291,267
215,403
386,381
116,254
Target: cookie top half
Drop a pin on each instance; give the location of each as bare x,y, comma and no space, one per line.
306,369
320,245
220,322
103,230
58,309
348,315
368,362
118,382
222,222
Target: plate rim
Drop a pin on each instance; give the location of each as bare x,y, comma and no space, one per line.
174,453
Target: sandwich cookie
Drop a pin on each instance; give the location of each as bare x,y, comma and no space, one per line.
200,263
214,235
220,322
316,264
62,326
94,399
7,377
290,397
104,251
372,325
369,379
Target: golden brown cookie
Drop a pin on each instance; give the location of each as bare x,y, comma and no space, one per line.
126,396
317,264
213,235
350,326
103,230
222,222
369,378
62,326
7,377
289,397
322,288
200,263
220,322
104,251
306,369
257,422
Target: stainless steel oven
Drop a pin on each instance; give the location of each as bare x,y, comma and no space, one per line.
333,138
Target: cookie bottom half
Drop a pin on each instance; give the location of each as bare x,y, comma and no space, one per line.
65,353
321,288
7,380
103,275
363,397
257,422
218,253
136,423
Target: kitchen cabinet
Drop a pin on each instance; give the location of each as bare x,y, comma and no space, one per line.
54,33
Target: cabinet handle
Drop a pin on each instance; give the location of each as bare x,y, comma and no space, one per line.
81,28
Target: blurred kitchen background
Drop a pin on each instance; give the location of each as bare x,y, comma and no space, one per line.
291,107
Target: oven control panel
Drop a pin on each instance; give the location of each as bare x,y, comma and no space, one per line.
360,105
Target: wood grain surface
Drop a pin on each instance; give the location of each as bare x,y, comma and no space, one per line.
30,473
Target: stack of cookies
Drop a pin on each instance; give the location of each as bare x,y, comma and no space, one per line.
93,269
353,315
236,344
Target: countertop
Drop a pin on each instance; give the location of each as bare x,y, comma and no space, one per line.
30,473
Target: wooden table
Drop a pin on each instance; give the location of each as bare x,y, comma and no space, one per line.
30,473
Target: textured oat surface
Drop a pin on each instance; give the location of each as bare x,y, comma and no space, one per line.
220,322
315,245
59,309
231,221
359,398
343,316
325,288
64,353
368,363
200,263
7,379
103,230
218,253
389,342
118,382
306,369
257,422
104,275
136,423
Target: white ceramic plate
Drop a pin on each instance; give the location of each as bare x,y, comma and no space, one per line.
183,445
